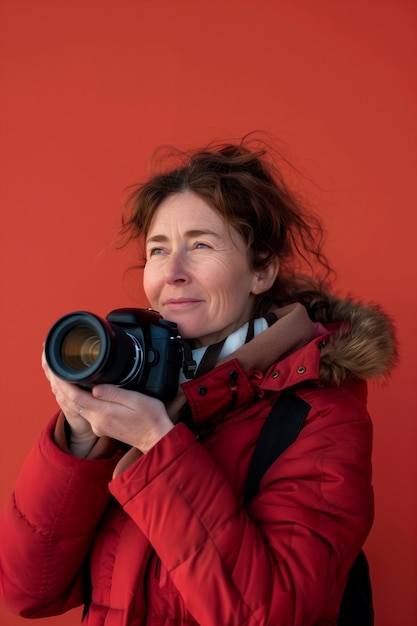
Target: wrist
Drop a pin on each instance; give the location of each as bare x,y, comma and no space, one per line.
79,443
155,437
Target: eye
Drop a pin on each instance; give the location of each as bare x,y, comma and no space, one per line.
154,252
199,245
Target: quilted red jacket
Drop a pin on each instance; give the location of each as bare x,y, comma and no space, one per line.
164,538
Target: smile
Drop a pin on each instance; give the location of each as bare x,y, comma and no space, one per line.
181,303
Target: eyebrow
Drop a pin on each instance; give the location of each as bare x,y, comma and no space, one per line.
189,234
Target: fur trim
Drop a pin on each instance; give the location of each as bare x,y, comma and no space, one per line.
365,347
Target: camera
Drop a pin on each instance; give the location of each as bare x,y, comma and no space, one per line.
132,348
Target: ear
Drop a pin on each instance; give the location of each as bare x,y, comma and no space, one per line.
265,278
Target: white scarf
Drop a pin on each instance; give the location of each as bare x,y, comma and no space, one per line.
234,341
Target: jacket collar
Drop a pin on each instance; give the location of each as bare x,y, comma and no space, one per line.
292,330
212,393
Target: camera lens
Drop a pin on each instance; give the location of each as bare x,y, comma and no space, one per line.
80,348
85,349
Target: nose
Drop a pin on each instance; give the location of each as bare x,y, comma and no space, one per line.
176,268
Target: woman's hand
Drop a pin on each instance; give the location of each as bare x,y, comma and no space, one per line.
134,418
128,416
70,399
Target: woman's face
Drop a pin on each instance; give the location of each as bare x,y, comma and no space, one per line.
197,272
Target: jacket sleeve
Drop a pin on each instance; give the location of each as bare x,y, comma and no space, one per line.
47,526
285,560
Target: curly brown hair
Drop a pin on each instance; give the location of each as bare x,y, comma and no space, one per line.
241,183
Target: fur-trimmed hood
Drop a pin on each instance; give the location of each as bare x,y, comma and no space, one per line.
363,346
360,341
357,342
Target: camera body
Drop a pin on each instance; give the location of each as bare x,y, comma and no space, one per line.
132,348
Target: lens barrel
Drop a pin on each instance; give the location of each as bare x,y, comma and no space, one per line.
85,349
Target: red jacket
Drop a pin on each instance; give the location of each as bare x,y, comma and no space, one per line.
166,535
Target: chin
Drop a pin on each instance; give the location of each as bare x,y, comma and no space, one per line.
192,333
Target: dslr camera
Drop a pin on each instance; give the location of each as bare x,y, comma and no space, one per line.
132,348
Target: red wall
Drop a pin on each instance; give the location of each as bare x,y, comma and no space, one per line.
89,87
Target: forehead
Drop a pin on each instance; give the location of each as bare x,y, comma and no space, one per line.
186,210
188,215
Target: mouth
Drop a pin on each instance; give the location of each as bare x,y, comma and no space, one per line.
181,303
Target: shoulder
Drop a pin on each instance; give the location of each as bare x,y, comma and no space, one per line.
334,449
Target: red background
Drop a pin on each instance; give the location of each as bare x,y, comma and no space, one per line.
89,88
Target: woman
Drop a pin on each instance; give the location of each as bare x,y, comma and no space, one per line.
159,534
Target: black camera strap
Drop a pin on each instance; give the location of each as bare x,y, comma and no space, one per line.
210,358
189,366
279,431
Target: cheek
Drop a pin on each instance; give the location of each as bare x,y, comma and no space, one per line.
149,283
238,281
231,293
